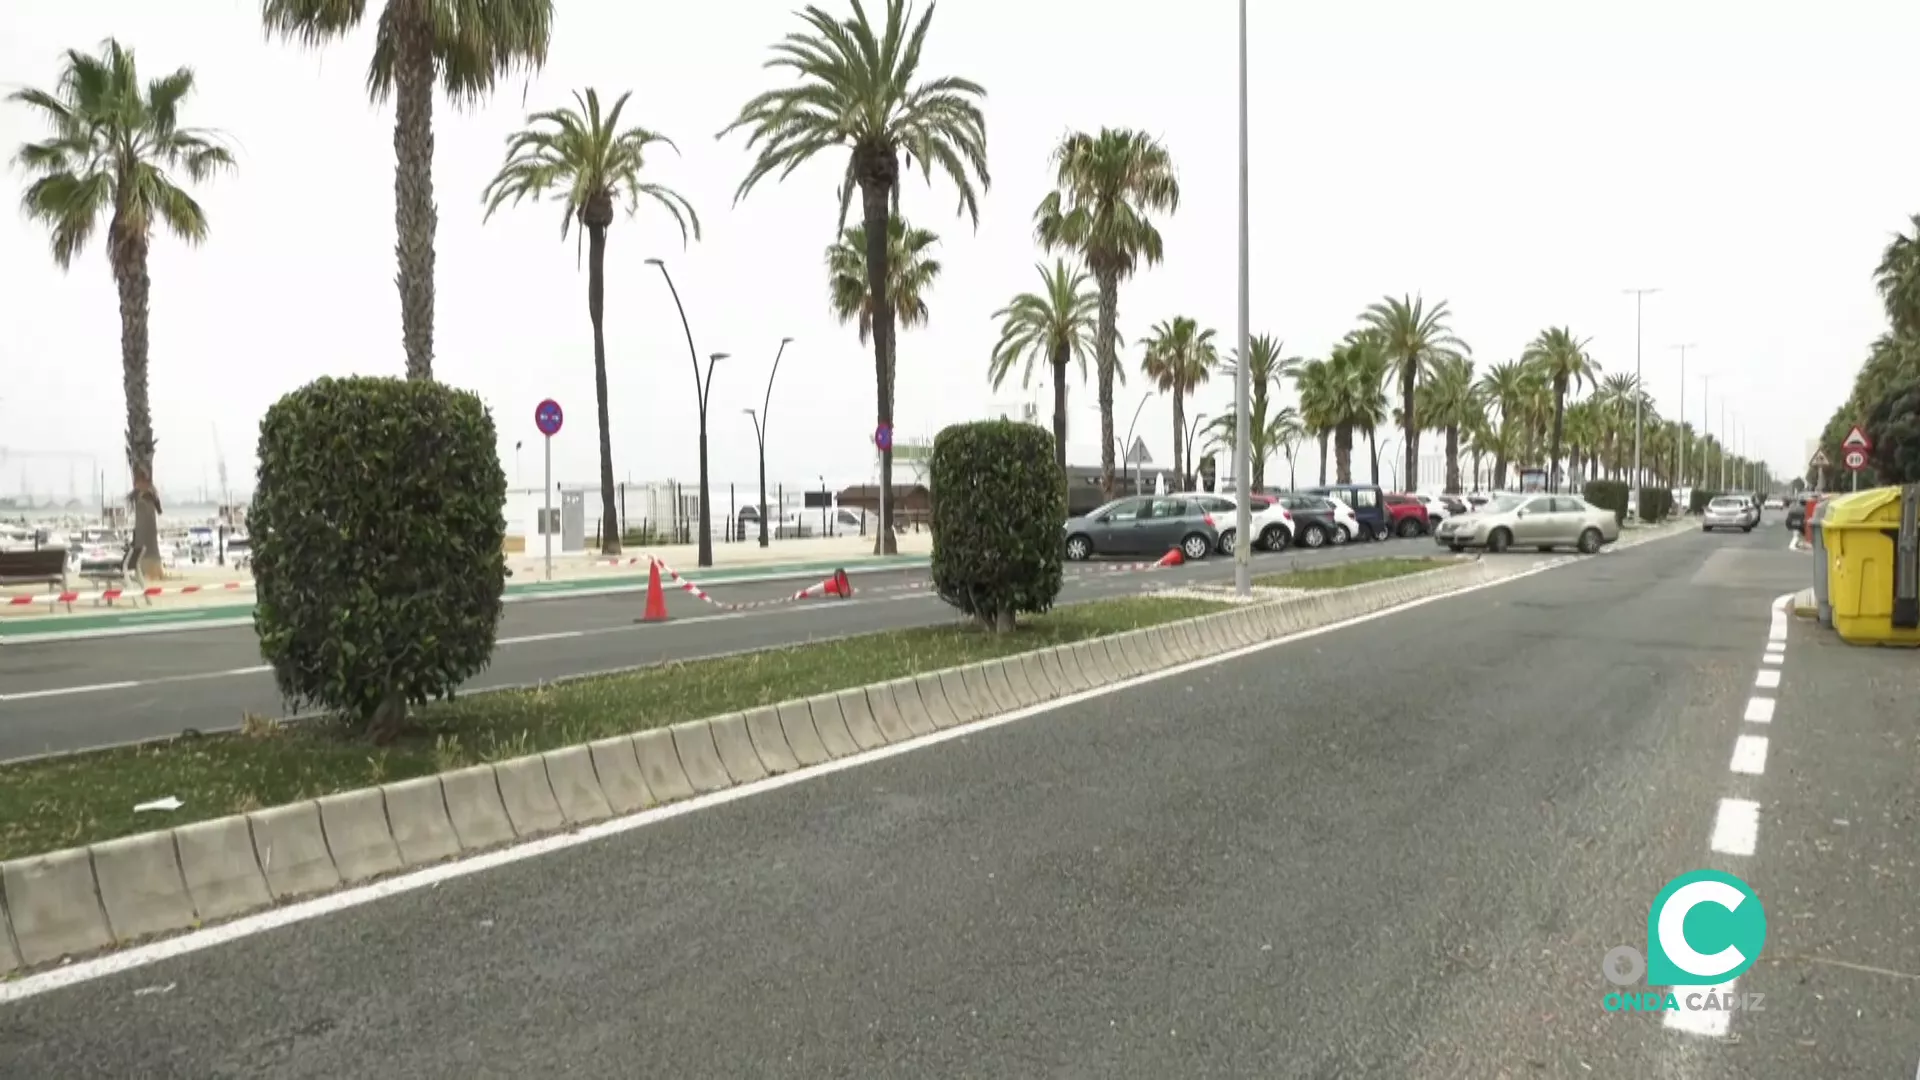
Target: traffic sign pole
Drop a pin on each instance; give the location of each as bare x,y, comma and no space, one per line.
548,418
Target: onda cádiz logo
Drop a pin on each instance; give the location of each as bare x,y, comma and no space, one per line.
1704,929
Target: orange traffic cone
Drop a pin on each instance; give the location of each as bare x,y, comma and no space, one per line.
1171,558
838,585
656,600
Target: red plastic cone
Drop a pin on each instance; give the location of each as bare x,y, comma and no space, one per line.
1171,558
656,600
838,585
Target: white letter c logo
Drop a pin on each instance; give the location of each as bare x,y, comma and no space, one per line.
1673,921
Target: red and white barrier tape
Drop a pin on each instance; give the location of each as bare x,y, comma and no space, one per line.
691,589
111,595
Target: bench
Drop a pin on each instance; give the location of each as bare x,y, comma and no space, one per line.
43,566
124,570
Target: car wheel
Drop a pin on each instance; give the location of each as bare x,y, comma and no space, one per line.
1226,541
1410,527
1590,542
1341,535
1456,548
1078,548
1746,529
1195,547
1706,528
1314,535
1382,531
1276,538
1498,542
1546,549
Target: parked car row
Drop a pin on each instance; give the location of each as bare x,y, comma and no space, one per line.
1200,524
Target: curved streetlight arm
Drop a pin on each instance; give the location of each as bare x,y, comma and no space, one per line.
767,401
706,390
693,355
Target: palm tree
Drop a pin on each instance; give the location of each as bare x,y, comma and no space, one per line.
911,272
465,45
1356,401
1053,326
1317,382
1180,356
861,89
1450,400
1266,371
1898,279
585,157
1504,387
1562,360
1106,186
1281,431
1415,338
115,141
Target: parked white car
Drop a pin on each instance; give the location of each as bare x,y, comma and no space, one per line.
1346,522
1272,528
1437,511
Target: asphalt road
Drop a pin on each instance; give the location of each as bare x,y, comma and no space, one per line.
73,695
1399,848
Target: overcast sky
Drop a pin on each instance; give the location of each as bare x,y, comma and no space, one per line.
1524,161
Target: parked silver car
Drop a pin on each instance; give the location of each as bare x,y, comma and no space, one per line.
1539,521
1146,525
1730,512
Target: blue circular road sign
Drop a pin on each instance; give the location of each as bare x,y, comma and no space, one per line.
548,417
883,437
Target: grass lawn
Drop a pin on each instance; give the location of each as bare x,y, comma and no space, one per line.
1341,575
72,801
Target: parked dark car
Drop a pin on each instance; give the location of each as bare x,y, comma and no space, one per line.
1367,504
1146,525
1313,514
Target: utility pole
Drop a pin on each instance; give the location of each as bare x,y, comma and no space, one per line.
1242,435
1638,387
1682,433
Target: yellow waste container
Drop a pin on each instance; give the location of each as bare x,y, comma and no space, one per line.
1860,532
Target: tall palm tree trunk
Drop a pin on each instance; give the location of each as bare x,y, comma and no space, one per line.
1373,456
129,258
1453,459
1559,425
1411,477
1323,459
878,172
1343,454
1179,430
1499,467
1109,333
1061,355
599,213
414,217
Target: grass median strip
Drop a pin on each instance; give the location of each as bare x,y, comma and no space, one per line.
1341,575
71,801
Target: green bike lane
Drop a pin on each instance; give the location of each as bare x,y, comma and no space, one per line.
113,622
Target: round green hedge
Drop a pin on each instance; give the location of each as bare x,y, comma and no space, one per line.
999,500
378,544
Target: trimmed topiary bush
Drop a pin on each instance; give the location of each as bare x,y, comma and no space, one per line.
1697,503
998,504
1608,495
1656,503
378,545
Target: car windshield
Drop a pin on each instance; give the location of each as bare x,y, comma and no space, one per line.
1504,504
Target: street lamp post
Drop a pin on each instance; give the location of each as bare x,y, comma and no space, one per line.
1638,389
760,434
1193,425
1242,435
701,387
1129,448
1682,433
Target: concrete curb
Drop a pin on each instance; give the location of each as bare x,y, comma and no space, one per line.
84,900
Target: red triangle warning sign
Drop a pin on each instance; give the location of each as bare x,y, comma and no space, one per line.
1857,439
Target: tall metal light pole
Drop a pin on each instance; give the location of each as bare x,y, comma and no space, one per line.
1681,480
1242,435
760,434
1639,391
700,388
1724,446
1128,452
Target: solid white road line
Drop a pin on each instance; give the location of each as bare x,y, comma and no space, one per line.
1709,1022
1766,680
1759,710
1736,829
140,956
1750,755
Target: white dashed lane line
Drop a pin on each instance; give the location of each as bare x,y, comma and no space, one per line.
1750,755
1759,711
1736,827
